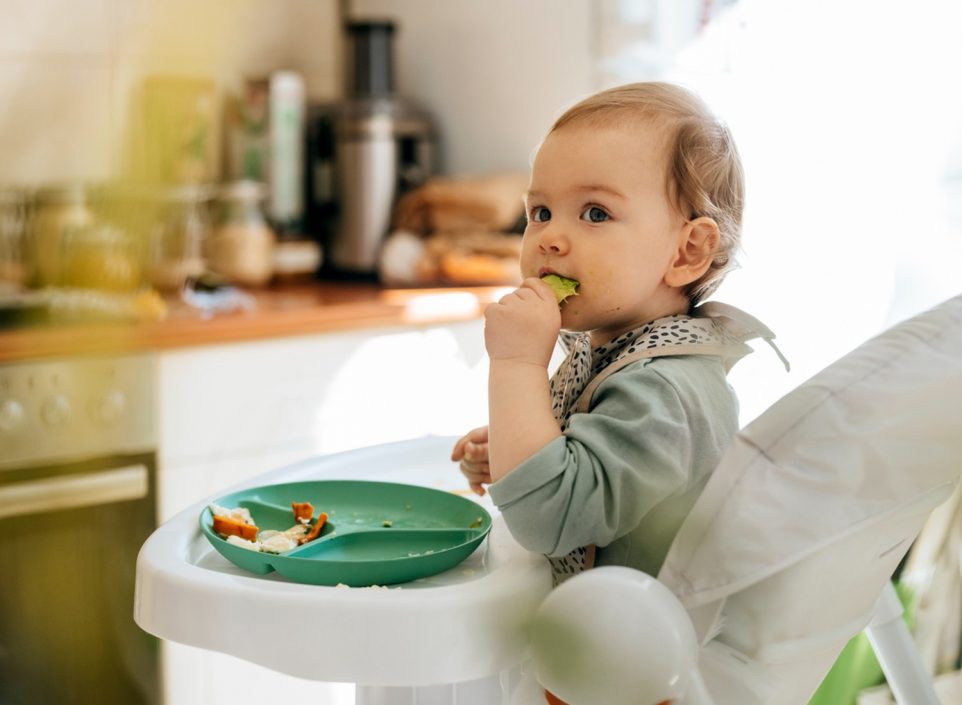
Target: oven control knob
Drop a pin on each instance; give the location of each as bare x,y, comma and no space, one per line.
11,415
108,409
55,411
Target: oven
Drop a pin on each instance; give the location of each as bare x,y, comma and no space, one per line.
77,486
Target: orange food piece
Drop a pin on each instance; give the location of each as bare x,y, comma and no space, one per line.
315,530
303,511
225,526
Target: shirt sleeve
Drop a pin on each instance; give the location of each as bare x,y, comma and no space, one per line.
595,483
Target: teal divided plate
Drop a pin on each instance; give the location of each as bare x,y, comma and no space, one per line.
377,533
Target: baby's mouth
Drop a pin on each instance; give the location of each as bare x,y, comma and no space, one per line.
545,271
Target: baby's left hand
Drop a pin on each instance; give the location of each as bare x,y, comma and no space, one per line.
524,325
471,451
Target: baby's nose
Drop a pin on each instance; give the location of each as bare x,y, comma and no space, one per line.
553,241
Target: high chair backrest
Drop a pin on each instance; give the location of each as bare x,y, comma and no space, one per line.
786,552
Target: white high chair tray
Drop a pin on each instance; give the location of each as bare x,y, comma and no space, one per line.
460,625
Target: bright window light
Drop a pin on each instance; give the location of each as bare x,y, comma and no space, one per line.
850,129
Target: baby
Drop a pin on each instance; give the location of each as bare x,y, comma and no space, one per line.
636,193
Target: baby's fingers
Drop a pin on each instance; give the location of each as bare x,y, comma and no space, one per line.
476,475
476,435
476,452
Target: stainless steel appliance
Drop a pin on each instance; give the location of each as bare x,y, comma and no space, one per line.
77,480
364,153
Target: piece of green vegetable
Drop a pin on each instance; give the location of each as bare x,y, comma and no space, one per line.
561,286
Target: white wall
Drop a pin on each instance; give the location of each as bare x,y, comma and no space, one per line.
495,73
68,68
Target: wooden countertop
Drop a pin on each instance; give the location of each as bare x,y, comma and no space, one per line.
320,307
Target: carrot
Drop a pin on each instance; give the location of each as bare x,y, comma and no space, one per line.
225,526
303,511
315,530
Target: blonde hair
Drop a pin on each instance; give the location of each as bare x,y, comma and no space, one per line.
704,172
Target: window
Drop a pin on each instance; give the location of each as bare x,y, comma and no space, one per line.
850,130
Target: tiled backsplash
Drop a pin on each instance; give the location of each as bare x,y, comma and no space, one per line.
69,68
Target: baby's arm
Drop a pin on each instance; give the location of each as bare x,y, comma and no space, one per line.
520,333
631,453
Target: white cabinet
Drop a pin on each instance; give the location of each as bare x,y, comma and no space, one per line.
230,412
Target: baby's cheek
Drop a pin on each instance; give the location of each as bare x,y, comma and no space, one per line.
572,314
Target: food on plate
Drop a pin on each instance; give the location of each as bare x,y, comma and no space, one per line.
563,287
238,528
242,514
281,541
315,530
303,511
243,543
234,523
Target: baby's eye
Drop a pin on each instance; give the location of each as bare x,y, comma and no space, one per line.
540,214
594,214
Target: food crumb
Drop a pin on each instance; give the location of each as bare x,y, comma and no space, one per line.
468,571
244,543
387,523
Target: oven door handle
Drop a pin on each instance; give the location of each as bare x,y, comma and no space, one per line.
53,494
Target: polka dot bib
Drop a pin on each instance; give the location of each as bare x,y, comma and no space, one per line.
714,329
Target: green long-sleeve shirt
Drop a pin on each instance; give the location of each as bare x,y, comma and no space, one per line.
624,475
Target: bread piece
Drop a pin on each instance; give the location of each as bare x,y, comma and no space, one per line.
446,204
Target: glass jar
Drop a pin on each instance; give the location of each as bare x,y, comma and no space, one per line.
13,222
99,256
179,237
241,247
59,210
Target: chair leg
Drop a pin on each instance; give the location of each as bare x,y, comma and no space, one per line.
897,654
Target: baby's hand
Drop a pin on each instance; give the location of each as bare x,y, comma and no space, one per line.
523,325
472,452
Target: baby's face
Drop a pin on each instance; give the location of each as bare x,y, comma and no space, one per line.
598,212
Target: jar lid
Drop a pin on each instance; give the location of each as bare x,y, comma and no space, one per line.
243,190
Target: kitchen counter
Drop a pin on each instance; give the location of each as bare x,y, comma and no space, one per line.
318,307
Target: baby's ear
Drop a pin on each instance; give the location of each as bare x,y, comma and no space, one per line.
697,244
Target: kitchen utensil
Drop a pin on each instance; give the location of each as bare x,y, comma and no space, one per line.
364,153
377,533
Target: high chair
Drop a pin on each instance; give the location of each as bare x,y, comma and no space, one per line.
789,551
783,558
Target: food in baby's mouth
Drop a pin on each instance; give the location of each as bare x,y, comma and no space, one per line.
561,286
